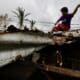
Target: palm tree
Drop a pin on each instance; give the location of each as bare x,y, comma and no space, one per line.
32,22
21,16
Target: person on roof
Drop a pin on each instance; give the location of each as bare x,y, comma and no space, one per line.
65,19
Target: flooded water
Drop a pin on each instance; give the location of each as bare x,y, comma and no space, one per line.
7,56
19,44
14,44
24,37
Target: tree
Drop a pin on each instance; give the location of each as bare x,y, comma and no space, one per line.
21,16
32,22
4,20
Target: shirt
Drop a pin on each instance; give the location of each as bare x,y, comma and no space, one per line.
66,19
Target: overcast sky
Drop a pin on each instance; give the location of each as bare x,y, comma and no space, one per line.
41,10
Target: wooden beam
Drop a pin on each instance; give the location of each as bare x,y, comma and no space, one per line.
63,71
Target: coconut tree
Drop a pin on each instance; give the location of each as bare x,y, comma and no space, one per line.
21,16
32,22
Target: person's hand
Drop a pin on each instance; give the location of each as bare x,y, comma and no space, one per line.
78,5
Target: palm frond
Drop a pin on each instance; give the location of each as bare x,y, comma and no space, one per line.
16,13
27,20
20,14
27,14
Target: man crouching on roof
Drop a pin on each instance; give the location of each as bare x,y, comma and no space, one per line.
65,19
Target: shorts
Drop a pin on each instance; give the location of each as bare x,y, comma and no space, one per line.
61,27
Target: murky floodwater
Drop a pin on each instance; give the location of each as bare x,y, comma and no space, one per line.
8,52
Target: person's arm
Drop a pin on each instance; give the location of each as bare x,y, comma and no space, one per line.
57,21
75,10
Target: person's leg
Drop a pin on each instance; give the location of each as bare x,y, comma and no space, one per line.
57,28
61,27
66,28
